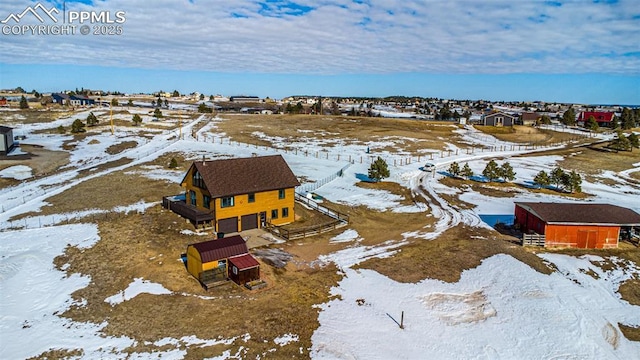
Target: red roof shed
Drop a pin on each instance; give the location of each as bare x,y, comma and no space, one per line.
583,225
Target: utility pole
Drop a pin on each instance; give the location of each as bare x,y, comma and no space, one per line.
111,116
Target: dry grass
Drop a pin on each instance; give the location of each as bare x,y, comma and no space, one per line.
446,257
106,192
42,162
149,246
630,332
409,135
527,134
34,116
408,198
120,147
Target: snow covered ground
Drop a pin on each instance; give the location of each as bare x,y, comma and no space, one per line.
501,309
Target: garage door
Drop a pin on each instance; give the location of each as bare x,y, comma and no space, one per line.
249,222
229,225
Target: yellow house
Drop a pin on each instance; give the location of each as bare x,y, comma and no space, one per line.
240,194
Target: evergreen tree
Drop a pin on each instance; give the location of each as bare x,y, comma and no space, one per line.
177,94
210,97
633,141
573,182
61,129
153,103
556,177
159,102
92,120
289,109
621,142
157,113
166,103
454,169
615,124
569,117
173,163
136,119
545,120
23,103
77,127
592,124
130,102
542,178
298,108
626,120
202,108
379,169
466,171
506,172
114,102
491,171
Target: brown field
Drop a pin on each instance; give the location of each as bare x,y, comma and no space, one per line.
528,134
410,135
149,245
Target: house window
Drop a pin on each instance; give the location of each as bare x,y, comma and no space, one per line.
274,213
281,194
252,197
235,270
285,212
192,197
197,180
206,200
226,202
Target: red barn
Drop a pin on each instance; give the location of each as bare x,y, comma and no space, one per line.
603,118
584,225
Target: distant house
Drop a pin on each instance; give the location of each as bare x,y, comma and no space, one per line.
81,100
60,98
498,119
252,99
237,194
528,118
6,140
604,119
3,102
217,260
576,225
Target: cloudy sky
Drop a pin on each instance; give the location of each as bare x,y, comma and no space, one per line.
573,51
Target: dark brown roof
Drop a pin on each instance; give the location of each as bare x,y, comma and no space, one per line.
530,116
5,129
246,175
244,262
584,213
224,248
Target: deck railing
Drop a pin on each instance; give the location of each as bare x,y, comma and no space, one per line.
533,240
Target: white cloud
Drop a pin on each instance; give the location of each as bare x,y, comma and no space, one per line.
350,37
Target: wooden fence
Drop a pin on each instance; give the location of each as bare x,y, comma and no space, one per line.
339,220
533,240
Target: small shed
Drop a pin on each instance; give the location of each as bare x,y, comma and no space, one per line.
6,140
243,269
576,225
209,261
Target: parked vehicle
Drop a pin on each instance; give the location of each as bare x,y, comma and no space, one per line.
429,167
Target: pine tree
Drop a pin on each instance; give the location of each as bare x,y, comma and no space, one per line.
621,142
556,177
506,172
61,129
542,178
157,113
130,102
23,103
173,163
574,182
379,169
92,120
77,127
569,117
136,119
466,171
454,169
627,121
633,141
491,171
114,102
177,94
592,124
